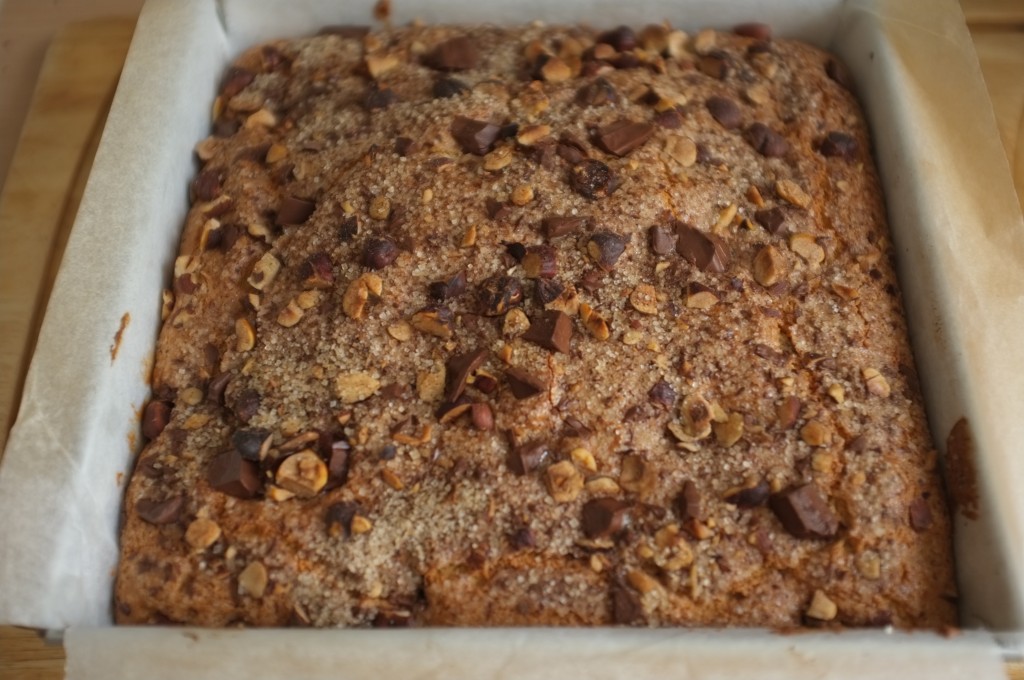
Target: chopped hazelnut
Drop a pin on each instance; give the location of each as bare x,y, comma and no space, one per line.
821,607
361,525
352,388
807,248
245,336
644,299
202,533
531,134
584,458
595,323
792,193
876,383
303,473
730,431
380,208
816,433
522,194
516,323
498,159
264,271
358,292
290,315
253,580
400,331
434,320
642,582
563,481
769,266
603,486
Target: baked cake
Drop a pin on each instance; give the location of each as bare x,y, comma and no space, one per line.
535,325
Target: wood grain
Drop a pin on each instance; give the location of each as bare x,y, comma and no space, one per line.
37,208
55,152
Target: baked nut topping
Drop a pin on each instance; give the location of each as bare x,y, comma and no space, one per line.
640,359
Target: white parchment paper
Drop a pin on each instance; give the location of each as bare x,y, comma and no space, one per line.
956,227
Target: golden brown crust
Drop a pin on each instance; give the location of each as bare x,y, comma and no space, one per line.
739,391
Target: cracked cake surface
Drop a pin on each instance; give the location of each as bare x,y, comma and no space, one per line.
535,325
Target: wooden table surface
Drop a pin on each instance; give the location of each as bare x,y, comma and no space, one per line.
47,140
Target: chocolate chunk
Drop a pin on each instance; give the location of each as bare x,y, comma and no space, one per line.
392,619
524,384
604,518
627,609
714,65
528,457
592,179
155,418
522,538
540,262
246,404
662,394
446,88
570,154
337,464
706,251
218,385
920,515
547,291
206,186
346,31
379,97
317,271
627,60
231,474
788,412
249,442
597,93
349,228
621,38
836,70
338,518
517,251
750,497
486,384
804,512
160,512
592,281
235,80
475,136
772,219
839,145
670,119
688,503
447,290
498,294
496,209
561,225
379,253
551,330
225,128
766,141
755,30
457,54
406,146
626,606
725,111
459,368
605,248
294,211
661,239
622,136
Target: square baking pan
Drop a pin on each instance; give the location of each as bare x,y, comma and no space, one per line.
958,236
